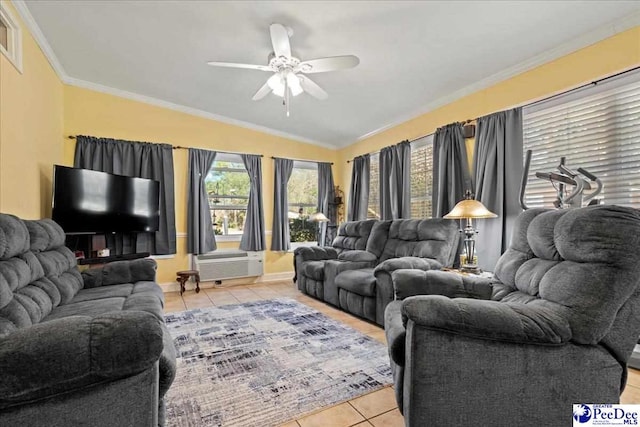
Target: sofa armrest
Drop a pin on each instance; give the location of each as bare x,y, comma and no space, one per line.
315,253
412,282
408,262
395,332
489,320
358,256
73,352
117,272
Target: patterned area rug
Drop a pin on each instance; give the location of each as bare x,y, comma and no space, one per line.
265,363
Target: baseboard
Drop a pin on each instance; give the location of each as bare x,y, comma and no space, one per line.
265,278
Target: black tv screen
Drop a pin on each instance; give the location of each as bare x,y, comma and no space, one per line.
87,201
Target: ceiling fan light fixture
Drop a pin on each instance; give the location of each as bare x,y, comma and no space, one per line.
294,84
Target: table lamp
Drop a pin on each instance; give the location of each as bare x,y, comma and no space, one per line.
469,209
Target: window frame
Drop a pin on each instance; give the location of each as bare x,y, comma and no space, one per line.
232,158
374,186
13,51
305,165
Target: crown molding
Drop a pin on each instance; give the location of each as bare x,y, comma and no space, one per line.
599,34
37,34
191,111
573,45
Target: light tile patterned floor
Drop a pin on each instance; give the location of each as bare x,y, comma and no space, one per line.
377,409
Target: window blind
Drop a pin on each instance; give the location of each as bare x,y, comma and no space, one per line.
421,177
598,130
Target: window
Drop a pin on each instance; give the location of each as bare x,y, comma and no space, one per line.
302,192
421,177
10,37
597,129
228,188
373,209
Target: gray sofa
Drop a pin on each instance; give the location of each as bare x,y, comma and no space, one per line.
78,349
555,326
357,277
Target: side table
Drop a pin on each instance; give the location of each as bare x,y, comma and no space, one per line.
184,275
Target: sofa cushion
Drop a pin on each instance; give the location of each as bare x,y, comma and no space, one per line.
434,238
37,272
140,296
314,270
353,235
361,282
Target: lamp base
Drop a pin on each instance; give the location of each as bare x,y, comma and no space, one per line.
470,268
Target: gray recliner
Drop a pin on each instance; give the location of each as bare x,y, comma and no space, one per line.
555,326
76,349
309,261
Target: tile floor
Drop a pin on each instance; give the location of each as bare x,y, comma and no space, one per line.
377,409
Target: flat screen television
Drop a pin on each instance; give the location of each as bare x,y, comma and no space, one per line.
87,201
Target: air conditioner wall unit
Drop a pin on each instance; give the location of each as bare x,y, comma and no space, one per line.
229,264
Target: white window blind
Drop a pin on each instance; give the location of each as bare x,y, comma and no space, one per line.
597,129
421,177
373,208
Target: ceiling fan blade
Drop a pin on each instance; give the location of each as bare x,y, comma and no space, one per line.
331,63
312,88
262,92
280,40
235,65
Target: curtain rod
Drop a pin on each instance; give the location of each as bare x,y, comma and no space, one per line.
408,140
178,147
548,98
300,160
586,85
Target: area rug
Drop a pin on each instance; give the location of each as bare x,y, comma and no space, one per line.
267,362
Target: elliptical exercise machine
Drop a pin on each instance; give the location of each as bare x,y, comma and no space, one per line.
577,181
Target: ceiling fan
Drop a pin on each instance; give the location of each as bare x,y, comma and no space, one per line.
289,72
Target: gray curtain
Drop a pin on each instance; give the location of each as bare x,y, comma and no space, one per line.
451,175
325,196
498,170
395,181
280,238
253,238
200,236
142,160
359,192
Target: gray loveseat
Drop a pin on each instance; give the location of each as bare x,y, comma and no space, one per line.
358,280
555,326
78,349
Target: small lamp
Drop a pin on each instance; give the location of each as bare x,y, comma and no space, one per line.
318,217
469,209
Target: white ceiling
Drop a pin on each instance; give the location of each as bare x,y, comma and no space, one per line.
414,55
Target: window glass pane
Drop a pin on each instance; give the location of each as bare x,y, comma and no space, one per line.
302,192
228,188
373,209
421,177
4,35
600,132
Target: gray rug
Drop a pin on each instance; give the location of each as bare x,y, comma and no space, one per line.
265,363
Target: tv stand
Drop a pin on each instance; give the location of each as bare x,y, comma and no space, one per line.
107,259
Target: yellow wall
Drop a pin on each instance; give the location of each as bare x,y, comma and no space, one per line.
30,131
607,57
88,112
37,112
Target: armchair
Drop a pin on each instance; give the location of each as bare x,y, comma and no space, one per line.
555,326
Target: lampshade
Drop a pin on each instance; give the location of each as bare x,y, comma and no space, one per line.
293,215
318,217
294,84
469,208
